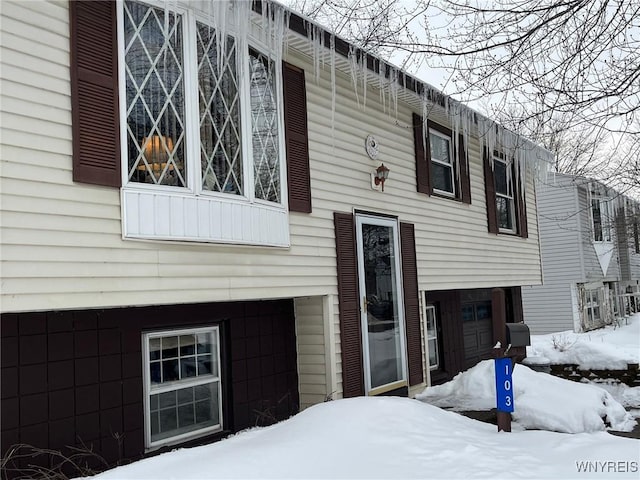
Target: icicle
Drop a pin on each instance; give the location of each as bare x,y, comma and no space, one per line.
381,84
315,38
354,67
393,92
218,12
363,60
333,89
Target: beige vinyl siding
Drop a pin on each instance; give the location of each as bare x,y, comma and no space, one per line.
312,358
62,241
62,245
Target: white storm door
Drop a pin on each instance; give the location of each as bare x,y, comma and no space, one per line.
381,304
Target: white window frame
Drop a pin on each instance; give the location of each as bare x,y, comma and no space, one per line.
592,301
604,205
428,336
150,389
154,212
510,198
451,165
363,219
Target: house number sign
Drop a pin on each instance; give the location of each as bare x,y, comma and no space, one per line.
504,384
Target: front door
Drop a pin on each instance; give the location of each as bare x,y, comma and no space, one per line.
381,304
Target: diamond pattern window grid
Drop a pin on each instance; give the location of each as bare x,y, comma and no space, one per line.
219,104
155,96
264,127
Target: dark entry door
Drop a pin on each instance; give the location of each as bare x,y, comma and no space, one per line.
477,329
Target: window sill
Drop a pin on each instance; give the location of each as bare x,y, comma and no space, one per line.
447,195
450,198
194,441
181,216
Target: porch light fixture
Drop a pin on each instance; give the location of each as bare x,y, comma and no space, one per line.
379,177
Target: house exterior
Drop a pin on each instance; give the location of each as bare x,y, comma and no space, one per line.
590,256
197,236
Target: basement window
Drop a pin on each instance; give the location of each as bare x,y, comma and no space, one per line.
183,392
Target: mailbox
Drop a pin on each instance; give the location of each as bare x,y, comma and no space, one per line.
518,335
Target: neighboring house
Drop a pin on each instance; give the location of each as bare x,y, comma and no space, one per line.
197,237
590,256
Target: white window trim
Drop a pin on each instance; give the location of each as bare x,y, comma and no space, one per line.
431,308
590,304
510,198
450,165
239,215
171,386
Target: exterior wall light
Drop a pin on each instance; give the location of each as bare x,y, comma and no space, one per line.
379,176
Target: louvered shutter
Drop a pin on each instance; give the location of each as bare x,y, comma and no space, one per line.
521,208
94,93
465,179
296,138
349,298
411,303
490,191
423,179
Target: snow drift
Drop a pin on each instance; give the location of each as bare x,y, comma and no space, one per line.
542,402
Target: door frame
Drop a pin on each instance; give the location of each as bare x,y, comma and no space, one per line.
366,219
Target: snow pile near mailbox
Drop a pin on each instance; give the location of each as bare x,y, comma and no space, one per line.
542,402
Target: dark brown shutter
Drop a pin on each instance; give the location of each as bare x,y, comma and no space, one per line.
521,208
465,179
422,164
349,298
490,190
295,131
94,93
411,303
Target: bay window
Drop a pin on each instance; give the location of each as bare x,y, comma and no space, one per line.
203,136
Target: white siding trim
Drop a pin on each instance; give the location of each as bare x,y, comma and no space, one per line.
328,315
175,216
575,308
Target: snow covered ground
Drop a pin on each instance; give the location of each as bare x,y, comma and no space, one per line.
550,403
605,348
385,437
541,401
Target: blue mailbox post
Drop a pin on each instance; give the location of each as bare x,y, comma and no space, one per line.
504,384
